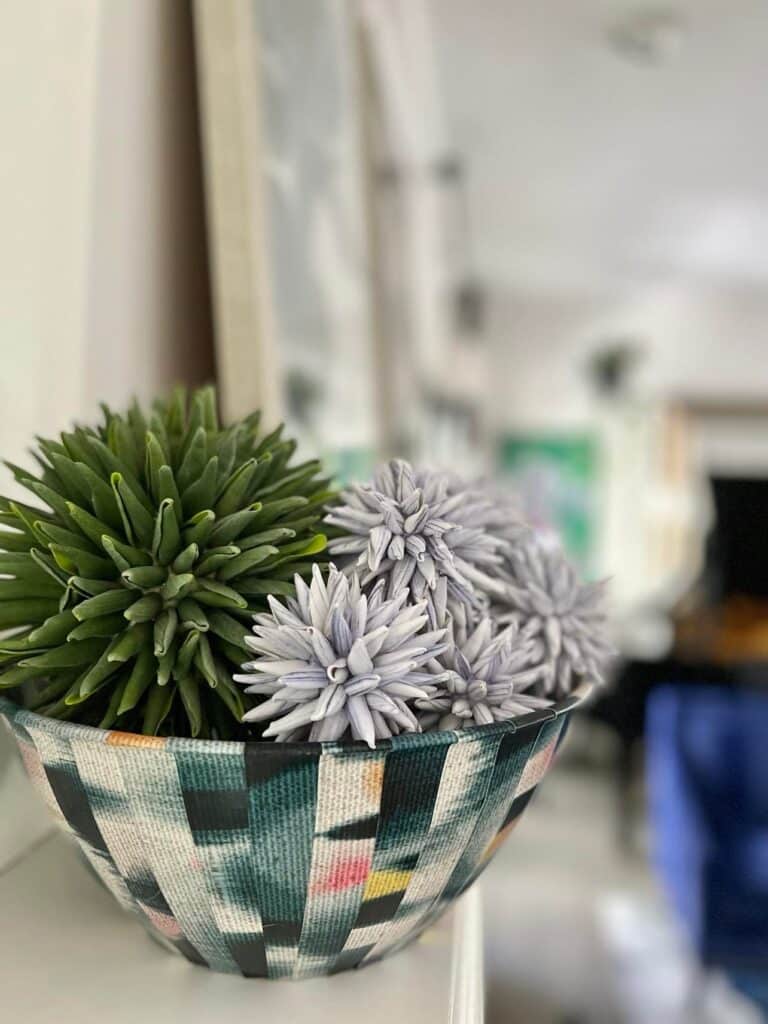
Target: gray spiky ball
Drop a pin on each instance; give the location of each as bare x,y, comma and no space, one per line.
482,676
336,662
564,617
414,529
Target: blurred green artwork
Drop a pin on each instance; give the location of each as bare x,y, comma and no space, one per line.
554,476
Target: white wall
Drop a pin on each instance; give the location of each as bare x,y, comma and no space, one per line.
103,288
698,341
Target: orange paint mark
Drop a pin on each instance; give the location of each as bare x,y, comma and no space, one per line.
373,779
132,739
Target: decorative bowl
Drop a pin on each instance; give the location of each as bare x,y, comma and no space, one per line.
288,860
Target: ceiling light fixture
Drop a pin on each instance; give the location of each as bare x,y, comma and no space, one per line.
648,36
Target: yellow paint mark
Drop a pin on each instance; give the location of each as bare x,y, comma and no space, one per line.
382,883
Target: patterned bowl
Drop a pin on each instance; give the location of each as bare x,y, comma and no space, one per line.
287,860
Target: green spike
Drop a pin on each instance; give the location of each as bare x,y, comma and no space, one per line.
199,528
203,659
97,674
167,488
112,464
103,604
83,563
90,587
177,410
190,697
142,674
274,536
68,538
227,628
166,625
201,492
228,529
143,577
122,441
158,704
271,440
215,558
176,587
254,586
26,612
15,541
300,549
129,643
193,615
111,714
273,510
227,692
236,489
247,561
193,462
219,595
167,539
68,655
186,653
154,458
100,495
53,630
289,483
165,663
40,586
123,555
103,626
45,562
13,677
186,559
145,609
137,522
91,527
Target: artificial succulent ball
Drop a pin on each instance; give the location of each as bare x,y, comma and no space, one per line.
336,663
564,618
131,583
482,676
413,529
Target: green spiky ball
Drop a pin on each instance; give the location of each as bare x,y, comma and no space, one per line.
130,591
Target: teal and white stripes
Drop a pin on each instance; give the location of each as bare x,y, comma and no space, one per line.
287,860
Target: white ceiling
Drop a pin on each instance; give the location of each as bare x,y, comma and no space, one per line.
588,171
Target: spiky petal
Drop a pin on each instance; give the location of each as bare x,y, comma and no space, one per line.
335,662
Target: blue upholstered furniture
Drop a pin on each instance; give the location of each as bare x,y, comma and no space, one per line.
707,757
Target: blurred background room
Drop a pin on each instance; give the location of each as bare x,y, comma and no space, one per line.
521,240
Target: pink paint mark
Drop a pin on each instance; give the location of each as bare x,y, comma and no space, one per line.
343,875
166,925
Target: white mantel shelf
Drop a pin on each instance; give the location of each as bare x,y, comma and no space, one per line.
68,953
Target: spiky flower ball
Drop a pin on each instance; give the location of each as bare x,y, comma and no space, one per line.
335,662
563,616
483,675
155,539
412,530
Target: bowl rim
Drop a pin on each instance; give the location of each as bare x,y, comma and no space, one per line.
14,713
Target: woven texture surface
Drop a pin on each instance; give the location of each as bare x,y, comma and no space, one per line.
281,861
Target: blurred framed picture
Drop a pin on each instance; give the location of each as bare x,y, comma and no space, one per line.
554,477
279,103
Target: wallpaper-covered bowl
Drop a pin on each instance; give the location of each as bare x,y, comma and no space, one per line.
287,860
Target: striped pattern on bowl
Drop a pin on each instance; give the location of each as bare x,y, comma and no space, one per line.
287,860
